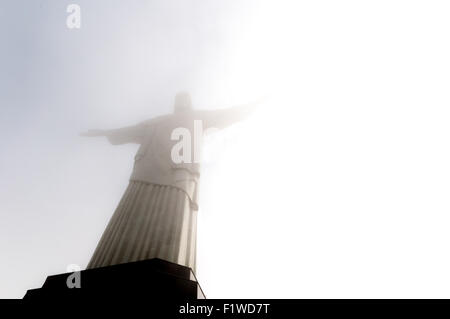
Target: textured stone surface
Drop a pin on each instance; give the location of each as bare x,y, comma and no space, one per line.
151,221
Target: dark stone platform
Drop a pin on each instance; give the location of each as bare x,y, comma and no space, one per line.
152,279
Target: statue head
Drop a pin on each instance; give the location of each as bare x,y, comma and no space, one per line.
182,102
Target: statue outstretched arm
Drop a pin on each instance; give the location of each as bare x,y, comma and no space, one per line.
130,134
223,118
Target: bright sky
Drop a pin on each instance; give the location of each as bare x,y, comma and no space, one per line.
337,187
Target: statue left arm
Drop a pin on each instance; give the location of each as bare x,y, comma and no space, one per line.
223,118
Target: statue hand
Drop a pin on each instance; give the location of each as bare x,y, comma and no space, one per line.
92,133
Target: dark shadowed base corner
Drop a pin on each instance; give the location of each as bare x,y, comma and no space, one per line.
152,282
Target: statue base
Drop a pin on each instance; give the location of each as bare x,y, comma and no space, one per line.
148,279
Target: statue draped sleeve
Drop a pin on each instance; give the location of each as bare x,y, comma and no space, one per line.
130,134
223,118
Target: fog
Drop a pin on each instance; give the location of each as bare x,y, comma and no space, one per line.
336,187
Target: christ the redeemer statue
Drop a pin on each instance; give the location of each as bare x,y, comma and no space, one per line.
156,217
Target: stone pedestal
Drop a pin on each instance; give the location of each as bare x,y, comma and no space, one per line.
152,279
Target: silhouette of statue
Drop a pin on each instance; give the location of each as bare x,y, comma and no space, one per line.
156,217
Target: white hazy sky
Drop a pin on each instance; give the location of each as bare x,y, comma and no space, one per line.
337,187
